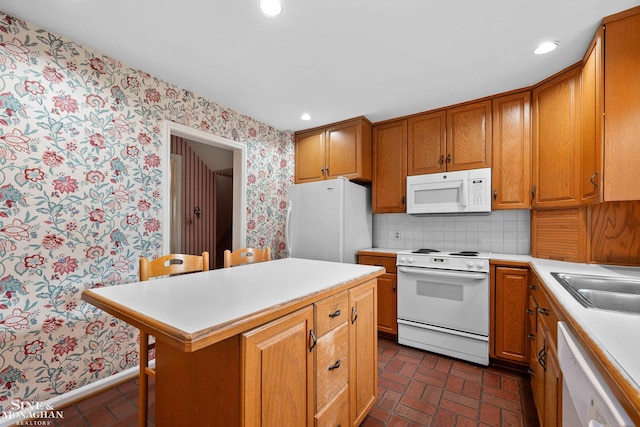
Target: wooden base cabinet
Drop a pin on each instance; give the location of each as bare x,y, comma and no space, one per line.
510,326
277,362
387,292
546,378
363,356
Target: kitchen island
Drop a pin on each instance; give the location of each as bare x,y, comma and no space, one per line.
285,342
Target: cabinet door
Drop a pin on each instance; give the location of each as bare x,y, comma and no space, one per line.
363,356
552,389
592,138
511,322
622,107
309,155
426,143
277,362
469,136
511,152
387,304
349,150
389,167
556,141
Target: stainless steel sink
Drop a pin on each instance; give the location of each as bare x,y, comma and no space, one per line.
601,292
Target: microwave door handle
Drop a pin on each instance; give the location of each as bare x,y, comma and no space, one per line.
464,197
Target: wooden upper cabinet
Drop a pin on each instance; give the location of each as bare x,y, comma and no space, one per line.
592,118
622,107
309,156
469,136
341,149
556,141
426,143
511,152
389,167
458,138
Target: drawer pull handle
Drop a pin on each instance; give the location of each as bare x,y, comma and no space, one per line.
354,315
313,339
532,287
335,365
529,311
335,313
543,311
532,337
378,264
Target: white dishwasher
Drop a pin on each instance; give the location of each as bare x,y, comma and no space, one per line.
586,399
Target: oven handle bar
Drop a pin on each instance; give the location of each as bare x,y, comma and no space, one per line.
447,273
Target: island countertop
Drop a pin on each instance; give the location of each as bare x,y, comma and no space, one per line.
196,310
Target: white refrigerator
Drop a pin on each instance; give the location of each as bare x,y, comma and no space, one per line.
328,220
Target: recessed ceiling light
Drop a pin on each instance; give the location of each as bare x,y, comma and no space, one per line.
305,116
270,7
546,47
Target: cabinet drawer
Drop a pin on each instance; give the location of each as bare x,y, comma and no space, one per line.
331,312
332,364
336,413
389,263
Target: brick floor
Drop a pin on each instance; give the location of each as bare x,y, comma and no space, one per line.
415,388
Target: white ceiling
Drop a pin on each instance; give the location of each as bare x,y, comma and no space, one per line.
334,59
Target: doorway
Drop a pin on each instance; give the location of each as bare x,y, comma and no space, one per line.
206,146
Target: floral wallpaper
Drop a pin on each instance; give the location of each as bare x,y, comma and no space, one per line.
80,201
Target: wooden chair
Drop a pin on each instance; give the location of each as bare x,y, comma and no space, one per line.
246,256
166,265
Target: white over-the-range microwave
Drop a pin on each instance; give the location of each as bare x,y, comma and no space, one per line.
467,191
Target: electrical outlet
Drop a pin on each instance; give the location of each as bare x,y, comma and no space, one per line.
396,235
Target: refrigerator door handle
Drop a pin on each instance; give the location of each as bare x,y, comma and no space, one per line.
287,230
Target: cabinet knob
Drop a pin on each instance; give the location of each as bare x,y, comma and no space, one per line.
495,194
532,287
533,193
529,311
543,311
531,337
449,158
441,159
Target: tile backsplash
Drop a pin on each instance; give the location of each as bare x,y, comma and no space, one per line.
502,231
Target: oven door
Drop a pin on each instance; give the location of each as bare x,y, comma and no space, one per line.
457,300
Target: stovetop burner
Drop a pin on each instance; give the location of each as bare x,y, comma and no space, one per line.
425,251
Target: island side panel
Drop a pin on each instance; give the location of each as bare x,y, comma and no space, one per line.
200,388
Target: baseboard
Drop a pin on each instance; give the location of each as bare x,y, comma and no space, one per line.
81,393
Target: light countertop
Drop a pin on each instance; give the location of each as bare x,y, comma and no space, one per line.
189,304
616,334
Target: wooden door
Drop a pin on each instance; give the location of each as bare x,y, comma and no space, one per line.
592,118
622,107
469,136
363,355
511,152
552,387
390,167
310,156
426,143
387,304
511,324
556,141
344,148
277,363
